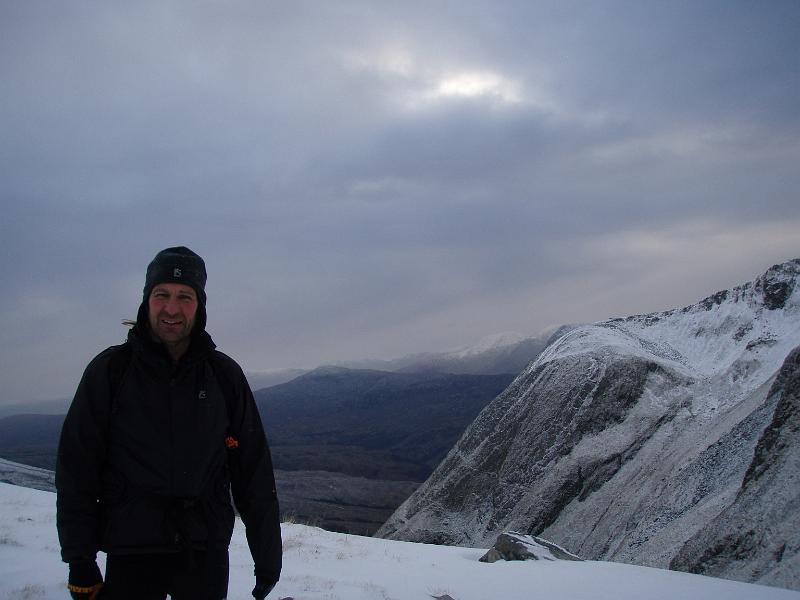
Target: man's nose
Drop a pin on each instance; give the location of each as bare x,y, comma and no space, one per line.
172,306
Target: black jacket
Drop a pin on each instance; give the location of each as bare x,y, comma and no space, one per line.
150,451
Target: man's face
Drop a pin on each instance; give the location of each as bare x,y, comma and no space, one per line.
172,308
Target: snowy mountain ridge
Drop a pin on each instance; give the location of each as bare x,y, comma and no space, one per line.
705,338
623,438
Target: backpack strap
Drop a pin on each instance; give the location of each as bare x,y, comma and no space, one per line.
220,373
117,367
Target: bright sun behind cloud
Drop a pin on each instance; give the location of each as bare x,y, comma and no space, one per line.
472,84
425,84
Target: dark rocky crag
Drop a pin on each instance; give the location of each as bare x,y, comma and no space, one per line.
757,537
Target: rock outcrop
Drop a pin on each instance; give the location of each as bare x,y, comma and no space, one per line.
516,546
757,537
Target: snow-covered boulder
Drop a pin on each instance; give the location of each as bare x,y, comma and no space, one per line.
517,546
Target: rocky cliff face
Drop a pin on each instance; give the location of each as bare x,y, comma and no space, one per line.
623,439
757,537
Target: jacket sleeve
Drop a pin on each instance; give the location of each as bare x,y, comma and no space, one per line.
79,463
253,482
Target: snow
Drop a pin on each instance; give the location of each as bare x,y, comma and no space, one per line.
697,340
490,343
729,344
330,566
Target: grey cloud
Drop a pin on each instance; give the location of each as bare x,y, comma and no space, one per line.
345,209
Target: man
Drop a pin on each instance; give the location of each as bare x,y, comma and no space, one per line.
161,430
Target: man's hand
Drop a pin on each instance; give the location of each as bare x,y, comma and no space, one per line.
85,581
263,587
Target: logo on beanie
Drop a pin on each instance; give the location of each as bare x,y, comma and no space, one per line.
176,272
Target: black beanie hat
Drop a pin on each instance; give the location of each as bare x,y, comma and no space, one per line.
177,265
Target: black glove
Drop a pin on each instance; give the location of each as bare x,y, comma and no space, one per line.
263,587
85,580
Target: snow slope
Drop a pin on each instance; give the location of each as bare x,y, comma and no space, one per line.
320,565
27,476
624,438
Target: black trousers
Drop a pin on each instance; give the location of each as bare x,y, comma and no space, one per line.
198,575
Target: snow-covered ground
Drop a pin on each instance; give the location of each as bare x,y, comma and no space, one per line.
321,565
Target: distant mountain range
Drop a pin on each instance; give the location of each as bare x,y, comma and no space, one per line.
376,424
660,439
29,432
497,354
390,428
357,443
46,407
31,439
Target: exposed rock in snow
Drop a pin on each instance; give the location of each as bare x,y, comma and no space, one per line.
757,538
625,438
27,476
516,546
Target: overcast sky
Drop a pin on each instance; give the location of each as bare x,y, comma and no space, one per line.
371,179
